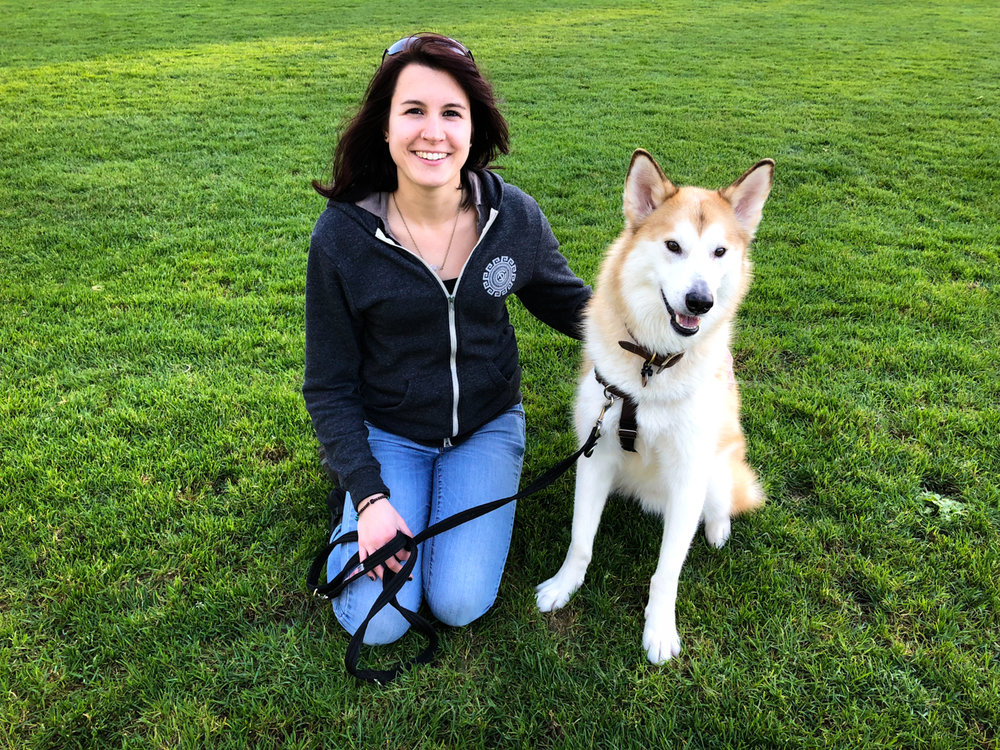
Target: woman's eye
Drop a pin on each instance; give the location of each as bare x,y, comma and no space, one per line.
719,252
673,247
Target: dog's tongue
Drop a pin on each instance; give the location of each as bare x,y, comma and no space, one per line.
687,321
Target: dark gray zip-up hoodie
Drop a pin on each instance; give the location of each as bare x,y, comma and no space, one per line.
387,343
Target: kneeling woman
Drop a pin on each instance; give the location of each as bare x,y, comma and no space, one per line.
412,377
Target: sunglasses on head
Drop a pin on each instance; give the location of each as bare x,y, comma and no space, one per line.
406,41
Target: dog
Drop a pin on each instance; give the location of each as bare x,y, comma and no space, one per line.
657,342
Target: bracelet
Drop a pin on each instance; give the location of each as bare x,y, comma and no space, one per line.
370,503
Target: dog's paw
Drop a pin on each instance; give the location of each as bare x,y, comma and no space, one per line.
661,642
717,532
554,593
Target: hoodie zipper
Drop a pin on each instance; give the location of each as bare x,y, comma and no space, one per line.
452,324
453,332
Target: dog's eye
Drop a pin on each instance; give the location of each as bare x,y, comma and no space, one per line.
673,247
719,252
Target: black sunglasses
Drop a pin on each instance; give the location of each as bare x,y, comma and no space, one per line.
405,42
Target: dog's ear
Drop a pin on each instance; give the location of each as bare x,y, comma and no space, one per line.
646,188
748,193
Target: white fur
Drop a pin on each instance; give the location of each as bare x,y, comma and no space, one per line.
682,469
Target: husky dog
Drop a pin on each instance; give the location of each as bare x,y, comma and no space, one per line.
657,339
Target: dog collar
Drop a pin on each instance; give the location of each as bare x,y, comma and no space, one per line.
651,359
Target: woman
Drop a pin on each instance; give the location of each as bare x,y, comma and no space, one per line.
412,377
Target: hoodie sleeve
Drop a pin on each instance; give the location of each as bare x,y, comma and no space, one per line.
554,294
332,376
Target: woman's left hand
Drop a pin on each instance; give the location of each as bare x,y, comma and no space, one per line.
377,525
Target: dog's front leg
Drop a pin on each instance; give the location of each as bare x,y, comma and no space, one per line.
593,484
680,522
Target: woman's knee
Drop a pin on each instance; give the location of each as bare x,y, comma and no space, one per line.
386,627
354,605
457,609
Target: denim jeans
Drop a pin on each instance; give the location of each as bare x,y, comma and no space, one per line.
457,572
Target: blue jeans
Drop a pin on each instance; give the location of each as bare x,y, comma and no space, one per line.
457,572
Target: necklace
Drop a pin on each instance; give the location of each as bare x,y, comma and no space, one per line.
434,267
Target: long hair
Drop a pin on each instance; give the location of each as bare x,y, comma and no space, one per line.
362,164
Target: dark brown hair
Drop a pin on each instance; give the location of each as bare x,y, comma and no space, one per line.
361,162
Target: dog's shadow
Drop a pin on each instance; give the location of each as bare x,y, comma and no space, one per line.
626,550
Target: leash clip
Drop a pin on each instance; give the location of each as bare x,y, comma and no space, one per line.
595,433
608,403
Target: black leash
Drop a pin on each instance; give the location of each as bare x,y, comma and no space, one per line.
393,582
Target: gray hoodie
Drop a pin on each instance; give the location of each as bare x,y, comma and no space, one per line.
387,343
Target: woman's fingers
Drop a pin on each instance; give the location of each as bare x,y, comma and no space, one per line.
362,556
394,563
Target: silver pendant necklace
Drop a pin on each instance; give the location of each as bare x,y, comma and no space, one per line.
434,267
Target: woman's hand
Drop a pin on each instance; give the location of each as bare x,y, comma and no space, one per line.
378,523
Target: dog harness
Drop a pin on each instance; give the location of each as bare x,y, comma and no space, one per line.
628,426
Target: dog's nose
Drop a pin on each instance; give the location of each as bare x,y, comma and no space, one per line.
699,299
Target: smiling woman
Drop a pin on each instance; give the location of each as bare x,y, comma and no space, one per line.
412,370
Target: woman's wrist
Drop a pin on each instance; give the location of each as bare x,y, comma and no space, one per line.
370,501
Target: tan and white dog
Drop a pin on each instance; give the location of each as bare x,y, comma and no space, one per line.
669,285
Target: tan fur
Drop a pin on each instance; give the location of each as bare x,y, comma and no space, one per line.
747,493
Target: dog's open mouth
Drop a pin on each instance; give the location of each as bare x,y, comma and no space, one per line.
685,325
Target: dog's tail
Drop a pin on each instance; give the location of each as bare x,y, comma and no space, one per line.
748,495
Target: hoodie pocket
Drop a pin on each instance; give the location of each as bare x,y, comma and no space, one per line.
500,382
420,394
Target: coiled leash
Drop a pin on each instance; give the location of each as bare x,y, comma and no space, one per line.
393,582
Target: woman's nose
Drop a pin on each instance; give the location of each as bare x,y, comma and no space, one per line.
432,129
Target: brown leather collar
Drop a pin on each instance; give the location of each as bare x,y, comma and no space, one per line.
660,361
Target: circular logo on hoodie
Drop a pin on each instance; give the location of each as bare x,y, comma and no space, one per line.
498,278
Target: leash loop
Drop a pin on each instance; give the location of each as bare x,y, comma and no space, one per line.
393,582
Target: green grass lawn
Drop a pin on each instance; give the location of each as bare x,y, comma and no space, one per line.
160,497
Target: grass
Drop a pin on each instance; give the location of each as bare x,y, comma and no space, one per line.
160,497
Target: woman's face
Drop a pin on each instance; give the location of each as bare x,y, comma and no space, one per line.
429,129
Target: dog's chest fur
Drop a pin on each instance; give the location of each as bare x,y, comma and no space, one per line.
675,414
